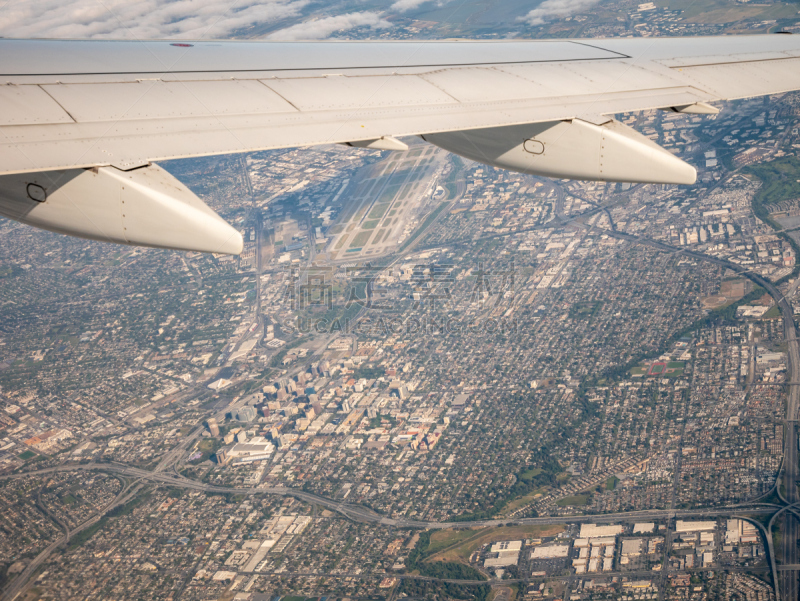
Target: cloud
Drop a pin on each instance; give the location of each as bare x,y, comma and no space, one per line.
555,8
406,5
140,19
403,6
322,28
170,19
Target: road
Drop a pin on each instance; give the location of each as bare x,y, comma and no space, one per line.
634,574
255,218
785,575
788,578
23,580
362,514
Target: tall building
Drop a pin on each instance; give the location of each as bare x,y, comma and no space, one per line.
396,387
246,414
213,427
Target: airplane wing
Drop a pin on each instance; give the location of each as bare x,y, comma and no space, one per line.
83,122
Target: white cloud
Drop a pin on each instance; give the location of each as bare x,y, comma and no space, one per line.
322,28
171,19
403,6
556,8
139,19
406,5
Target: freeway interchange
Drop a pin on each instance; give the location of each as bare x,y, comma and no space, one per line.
784,563
133,478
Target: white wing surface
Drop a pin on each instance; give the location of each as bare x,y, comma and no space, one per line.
531,106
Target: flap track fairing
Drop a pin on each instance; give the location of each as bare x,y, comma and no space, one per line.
142,207
574,149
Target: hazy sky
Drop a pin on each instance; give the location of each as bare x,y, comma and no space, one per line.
138,19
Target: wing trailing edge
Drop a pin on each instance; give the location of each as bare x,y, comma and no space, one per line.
85,121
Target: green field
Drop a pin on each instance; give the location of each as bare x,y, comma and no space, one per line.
27,455
780,179
531,474
207,446
341,242
574,501
361,239
370,225
442,539
378,211
512,506
584,310
389,194
458,545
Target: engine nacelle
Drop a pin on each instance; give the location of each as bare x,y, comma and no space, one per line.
143,207
574,149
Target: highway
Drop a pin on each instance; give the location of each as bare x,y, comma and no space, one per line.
787,580
632,575
23,580
362,514
785,575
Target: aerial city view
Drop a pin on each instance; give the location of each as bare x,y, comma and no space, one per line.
423,377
